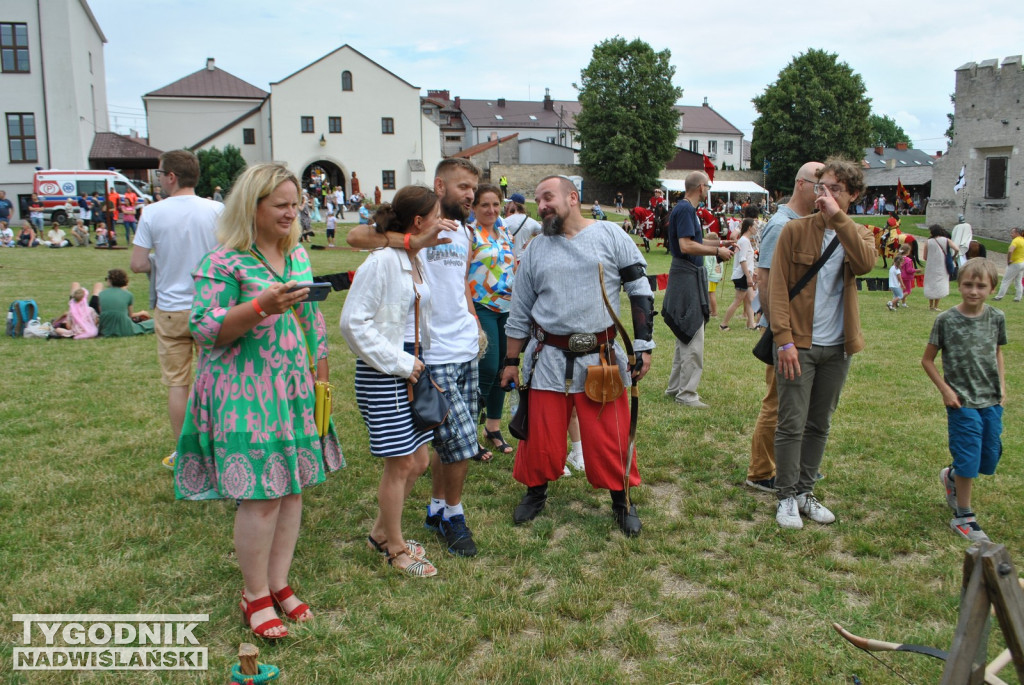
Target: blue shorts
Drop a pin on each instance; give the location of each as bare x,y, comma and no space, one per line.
897,292
975,439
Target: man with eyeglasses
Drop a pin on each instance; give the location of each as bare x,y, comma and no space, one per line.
179,230
815,333
761,470
687,307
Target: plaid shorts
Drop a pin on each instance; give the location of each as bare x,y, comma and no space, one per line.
456,439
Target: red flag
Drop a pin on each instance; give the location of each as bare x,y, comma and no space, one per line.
709,168
902,193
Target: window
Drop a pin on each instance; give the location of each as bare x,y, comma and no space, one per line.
551,139
387,125
334,124
388,180
712,147
727,147
307,124
346,80
995,177
248,136
694,145
498,117
90,187
456,139
21,137
90,61
14,48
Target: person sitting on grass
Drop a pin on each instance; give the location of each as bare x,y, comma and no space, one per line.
116,317
82,321
973,388
6,235
104,237
80,233
27,237
56,237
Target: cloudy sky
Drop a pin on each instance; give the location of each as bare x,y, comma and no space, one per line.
725,51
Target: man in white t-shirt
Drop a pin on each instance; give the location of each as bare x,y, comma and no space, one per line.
179,231
520,225
339,201
454,345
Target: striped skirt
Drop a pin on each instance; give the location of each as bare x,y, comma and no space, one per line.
384,403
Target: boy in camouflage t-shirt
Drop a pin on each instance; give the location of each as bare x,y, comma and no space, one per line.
973,387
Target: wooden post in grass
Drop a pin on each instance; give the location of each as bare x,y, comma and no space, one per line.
989,579
247,659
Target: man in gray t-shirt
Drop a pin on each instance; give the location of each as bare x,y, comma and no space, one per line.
558,314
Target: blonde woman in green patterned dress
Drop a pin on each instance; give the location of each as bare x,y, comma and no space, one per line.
250,432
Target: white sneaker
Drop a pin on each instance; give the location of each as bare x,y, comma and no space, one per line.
566,472
787,515
575,459
813,509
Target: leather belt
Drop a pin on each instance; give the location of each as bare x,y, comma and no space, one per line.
577,343
573,346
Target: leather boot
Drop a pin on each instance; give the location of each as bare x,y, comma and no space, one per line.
532,504
628,519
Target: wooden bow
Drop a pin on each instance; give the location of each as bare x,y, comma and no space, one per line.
869,645
634,391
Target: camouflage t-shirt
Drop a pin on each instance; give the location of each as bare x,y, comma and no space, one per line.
968,346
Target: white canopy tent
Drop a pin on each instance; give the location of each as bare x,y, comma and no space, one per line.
728,187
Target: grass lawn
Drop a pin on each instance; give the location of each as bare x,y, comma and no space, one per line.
712,592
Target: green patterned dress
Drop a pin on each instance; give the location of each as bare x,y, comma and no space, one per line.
250,431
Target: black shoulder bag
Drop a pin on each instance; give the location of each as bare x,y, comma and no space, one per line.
765,347
427,404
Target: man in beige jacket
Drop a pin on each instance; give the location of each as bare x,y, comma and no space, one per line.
815,333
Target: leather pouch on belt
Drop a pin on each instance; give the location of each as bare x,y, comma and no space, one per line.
604,383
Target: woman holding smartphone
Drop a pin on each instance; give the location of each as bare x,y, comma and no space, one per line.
250,432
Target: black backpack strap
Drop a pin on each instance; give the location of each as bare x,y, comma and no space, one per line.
805,279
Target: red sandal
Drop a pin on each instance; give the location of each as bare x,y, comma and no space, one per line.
249,608
283,594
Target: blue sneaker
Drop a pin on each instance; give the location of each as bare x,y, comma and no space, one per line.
458,536
433,521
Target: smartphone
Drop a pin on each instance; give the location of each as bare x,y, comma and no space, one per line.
317,291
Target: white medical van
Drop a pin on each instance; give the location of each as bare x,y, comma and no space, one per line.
58,188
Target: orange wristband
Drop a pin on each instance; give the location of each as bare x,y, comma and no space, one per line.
406,241
258,308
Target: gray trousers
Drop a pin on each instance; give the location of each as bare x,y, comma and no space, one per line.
806,404
687,368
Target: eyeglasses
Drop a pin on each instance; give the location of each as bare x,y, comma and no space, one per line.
808,180
162,172
835,189
706,185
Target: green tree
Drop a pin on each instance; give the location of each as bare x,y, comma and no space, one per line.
816,108
951,131
886,132
218,168
628,123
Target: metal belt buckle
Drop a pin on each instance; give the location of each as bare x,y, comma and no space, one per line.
582,342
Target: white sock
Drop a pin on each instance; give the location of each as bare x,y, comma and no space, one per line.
452,510
436,505
577,447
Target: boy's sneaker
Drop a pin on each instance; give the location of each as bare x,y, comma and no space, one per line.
458,536
967,527
787,515
169,460
766,485
946,476
433,521
890,306
813,509
575,459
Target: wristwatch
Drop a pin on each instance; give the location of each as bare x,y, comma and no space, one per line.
511,361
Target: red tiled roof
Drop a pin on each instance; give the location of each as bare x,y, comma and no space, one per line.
111,146
480,147
210,83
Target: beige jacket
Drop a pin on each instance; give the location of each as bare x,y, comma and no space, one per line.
798,248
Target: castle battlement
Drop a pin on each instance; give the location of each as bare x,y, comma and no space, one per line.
985,89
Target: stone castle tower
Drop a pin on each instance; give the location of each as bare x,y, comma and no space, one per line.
989,141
